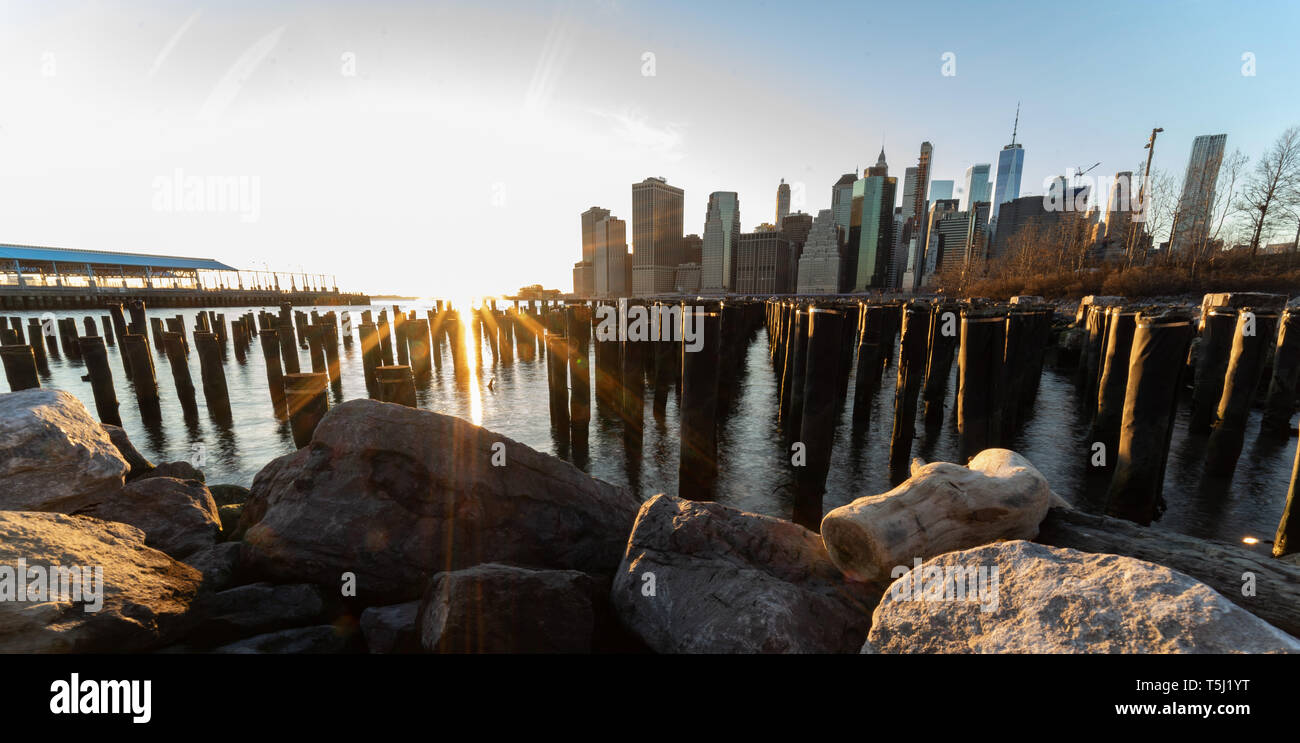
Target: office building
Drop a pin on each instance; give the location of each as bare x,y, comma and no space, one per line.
940,190
782,202
819,266
977,185
763,263
721,234
1011,164
656,236
1192,222
611,266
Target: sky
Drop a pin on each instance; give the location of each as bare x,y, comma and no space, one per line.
442,148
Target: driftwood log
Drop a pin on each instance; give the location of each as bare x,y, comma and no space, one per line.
1222,566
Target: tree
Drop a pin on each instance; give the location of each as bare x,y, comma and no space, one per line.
1273,187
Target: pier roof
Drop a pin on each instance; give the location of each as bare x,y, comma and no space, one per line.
106,257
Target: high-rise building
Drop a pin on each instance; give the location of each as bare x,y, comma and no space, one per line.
1119,209
881,167
721,234
782,202
584,274
933,256
941,190
796,227
842,202
870,234
922,186
819,266
1191,224
1011,164
656,236
909,193
693,249
978,187
584,278
763,263
610,266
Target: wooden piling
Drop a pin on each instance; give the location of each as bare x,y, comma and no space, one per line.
136,351
417,343
1156,363
697,470
270,339
557,378
1211,367
214,376
307,402
1254,334
174,347
95,354
817,429
578,331
20,367
1113,386
1282,387
911,372
396,384
979,362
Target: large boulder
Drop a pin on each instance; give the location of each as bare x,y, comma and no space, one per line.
53,455
392,629
504,609
704,578
177,516
145,594
177,470
393,495
259,608
320,639
219,565
1022,597
940,508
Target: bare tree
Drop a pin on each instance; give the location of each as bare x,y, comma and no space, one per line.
1273,188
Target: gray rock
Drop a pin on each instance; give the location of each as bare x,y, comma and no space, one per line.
394,495
228,495
176,516
1052,600
177,470
504,609
146,594
258,608
704,578
391,629
219,565
320,639
136,462
229,516
53,455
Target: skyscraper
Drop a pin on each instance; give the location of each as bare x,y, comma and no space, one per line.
721,233
763,263
870,234
909,193
842,201
609,237
656,235
796,227
1119,208
978,187
1193,219
782,202
819,266
584,273
881,167
922,186
1011,164
941,190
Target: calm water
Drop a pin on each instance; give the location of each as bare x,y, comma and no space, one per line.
754,471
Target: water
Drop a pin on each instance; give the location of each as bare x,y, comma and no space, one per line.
754,461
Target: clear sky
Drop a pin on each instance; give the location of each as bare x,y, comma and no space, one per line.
449,147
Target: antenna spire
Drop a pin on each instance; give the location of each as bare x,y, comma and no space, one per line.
1015,127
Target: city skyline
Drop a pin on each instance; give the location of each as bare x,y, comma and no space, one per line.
382,131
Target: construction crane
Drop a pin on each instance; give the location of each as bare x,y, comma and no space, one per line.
1079,172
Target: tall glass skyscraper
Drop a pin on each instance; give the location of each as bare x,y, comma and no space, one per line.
978,187
1011,164
721,236
871,228
1194,206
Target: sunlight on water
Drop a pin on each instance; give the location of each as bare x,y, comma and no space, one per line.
467,316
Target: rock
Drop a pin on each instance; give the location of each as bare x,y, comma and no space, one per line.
258,608
942,507
1051,600
136,462
219,565
392,629
177,470
229,516
176,516
323,638
504,609
228,495
394,495
704,578
145,593
53,455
